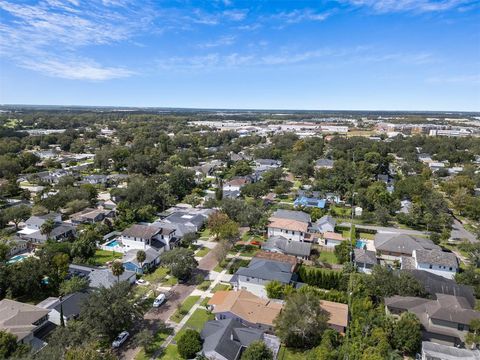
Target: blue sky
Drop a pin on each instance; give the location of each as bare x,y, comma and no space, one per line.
342,54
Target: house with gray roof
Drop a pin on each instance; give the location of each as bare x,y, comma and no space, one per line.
227,339
433,351
141,237
100,277
284,246
391,247
364,260
152,260
435,261
32,231
291,215
436,284
325,224
260,272
324,164
68,305
444,320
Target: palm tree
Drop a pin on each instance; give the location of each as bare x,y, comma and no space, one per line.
141,256
117,269
47,228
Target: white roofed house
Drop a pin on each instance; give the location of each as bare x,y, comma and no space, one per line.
434,261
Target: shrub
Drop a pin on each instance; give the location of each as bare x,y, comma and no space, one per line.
189,344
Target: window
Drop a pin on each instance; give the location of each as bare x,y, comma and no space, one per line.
451,269
430,266
248,279
461,327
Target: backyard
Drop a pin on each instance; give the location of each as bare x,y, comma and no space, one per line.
101,257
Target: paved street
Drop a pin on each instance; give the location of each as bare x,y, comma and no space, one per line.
459,231
177,295
387,229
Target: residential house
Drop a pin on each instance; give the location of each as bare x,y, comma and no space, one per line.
436,284
32,230
91,216
23,321
444,320
68,305
245,307
392,247
186,221
17,245
100,277
405,207
434,261
262,269
324,164
227,339
280,244
130,262
325,224
433,351
331,239
140,237
338,315
236,184
364,260
310,202
95,179
292,225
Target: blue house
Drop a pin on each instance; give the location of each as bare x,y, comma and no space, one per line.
310,202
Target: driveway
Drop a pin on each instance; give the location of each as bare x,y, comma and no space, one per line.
175,297
459,231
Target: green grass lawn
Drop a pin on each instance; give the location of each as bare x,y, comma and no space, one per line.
247,250
101,257
291,354
158,339
202,252
367,236
196,321
186,306
204,285
170,353
205,234
220,287
328,257
205,301
157,276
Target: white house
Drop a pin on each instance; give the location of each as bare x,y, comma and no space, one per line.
140,237
434,261
331,239
292,225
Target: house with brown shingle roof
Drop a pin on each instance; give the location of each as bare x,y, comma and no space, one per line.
292,225
245,307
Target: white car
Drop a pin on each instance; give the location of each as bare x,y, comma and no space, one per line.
141,282
159,300
120,339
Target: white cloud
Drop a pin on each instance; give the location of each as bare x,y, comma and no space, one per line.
385,6
460,79
76,69
297,16
221,41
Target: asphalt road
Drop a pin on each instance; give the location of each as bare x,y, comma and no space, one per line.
459,231
176,296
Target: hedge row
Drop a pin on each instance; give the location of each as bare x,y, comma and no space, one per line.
325,279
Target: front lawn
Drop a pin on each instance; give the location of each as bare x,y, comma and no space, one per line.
220,287
205,301
291,354
158,339
170,353
196,321
204,285
101,257
202,252
245,250
157,276
184,309
205,234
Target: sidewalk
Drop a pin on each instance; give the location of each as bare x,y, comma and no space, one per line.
203,294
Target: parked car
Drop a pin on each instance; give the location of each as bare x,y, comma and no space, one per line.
120,339
159,300
141,282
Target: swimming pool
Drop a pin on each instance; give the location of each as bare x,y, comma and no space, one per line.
16,258
112,243
360,244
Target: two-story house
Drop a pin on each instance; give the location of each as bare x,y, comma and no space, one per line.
292,225
391,247
140,237
445,320
32,231
434,261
